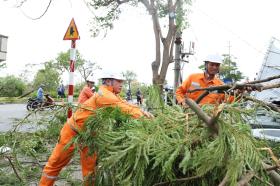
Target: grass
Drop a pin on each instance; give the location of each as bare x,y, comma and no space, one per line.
12,100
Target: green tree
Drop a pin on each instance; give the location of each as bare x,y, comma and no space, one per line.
229,70
83,66
49,76
174,12
62,61
129,77
11,86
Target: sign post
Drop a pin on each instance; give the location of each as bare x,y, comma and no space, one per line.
73,35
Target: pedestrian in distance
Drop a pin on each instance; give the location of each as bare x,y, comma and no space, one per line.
128,95
107,96
61,91
139,97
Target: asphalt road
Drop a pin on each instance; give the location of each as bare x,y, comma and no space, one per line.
11,114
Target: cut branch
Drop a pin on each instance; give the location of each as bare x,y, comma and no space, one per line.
269,105
264,80
177,181
245,179
202,115
229,86
275,177
14,168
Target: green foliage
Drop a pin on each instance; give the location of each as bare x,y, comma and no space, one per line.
11,86
62,61
129,77
229,70
171,146
48,76
111,11
30,149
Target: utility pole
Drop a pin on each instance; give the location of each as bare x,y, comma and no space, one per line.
177,61
229,53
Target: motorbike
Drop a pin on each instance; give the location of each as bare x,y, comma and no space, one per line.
33,103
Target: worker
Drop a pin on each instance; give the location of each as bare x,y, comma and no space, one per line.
202,80
107,96
86,92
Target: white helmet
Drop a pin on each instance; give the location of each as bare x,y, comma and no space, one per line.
112,75
214,58
90,79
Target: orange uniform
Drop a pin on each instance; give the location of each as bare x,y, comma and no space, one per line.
61,156
198,80
85,94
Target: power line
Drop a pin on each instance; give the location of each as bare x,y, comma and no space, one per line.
229,30
29,17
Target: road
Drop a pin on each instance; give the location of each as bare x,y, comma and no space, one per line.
11,114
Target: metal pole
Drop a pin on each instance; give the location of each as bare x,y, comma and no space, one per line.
71,76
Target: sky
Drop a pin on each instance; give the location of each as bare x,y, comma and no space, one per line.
245,26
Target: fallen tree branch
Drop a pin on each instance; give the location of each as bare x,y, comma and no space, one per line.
269,105
265,80
275,177
224,181
267,183
13,167
273,157
229,87
177,180
202,115
246,178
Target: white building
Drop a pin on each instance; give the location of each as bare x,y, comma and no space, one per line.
3,47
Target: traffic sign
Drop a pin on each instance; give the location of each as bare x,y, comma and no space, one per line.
72,32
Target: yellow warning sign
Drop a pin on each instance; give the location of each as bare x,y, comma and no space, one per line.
72,32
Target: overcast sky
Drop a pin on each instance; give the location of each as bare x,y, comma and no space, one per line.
247,25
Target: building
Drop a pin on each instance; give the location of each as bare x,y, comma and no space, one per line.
3,47
269,68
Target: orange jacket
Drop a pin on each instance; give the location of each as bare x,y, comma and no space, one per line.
85,94
103,98
195,81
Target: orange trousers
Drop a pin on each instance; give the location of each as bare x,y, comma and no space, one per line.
61,156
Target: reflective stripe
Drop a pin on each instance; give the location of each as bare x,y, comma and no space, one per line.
50,177
100,93
195,85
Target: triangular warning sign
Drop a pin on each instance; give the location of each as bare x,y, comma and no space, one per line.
72,32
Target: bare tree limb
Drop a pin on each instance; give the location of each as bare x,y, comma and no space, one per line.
267,183
14,168
264,80
224,181
270,105
246,178
202,115
229,87
177,181
275,177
